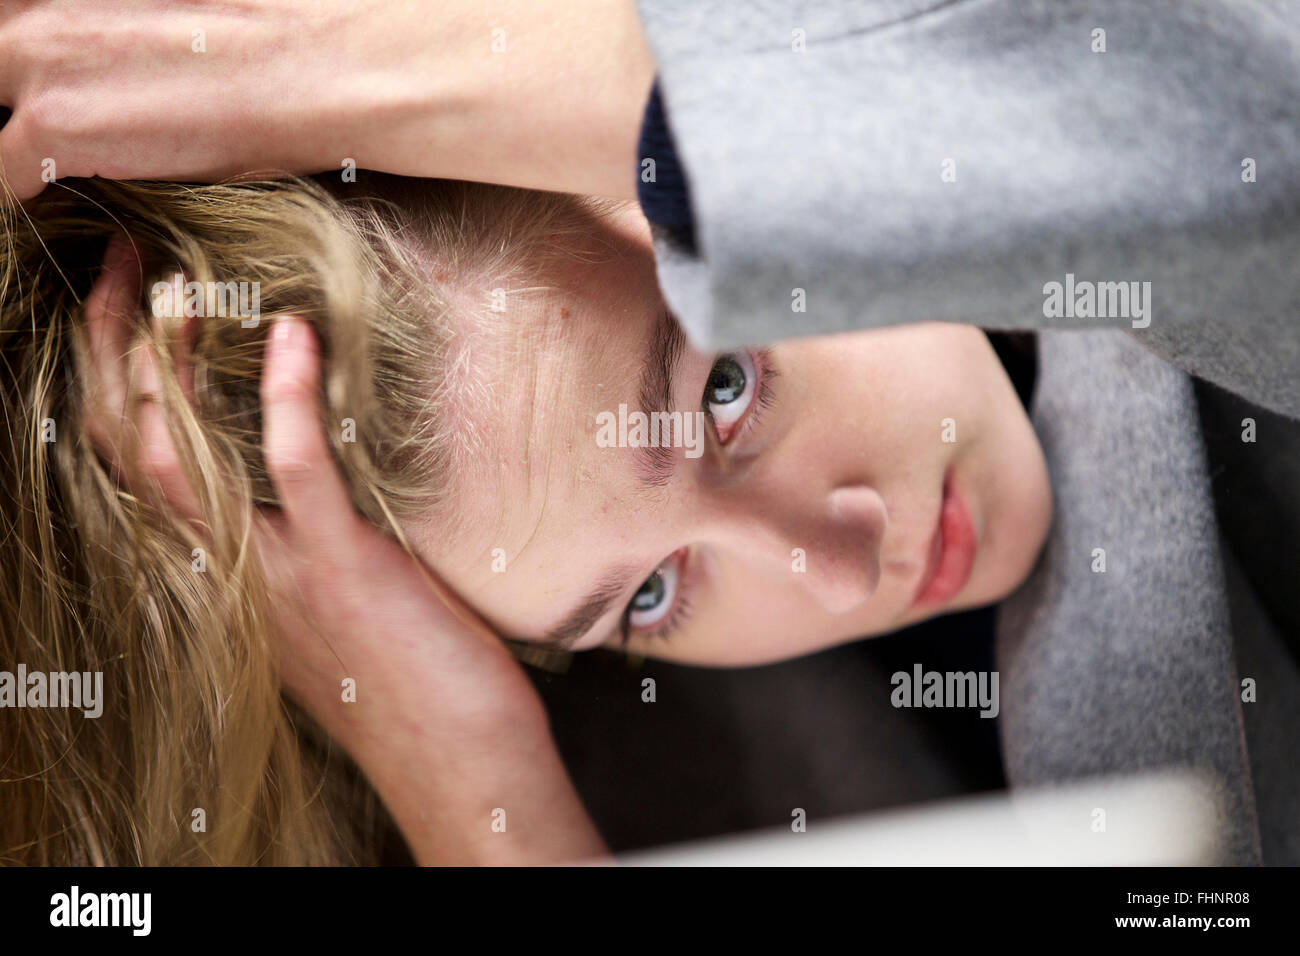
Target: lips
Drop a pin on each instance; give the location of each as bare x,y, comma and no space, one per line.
952,551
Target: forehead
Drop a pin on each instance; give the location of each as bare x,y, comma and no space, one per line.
543,496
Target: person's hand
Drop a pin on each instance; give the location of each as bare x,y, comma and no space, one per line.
445,723
547,94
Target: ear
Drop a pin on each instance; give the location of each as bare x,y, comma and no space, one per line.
123,381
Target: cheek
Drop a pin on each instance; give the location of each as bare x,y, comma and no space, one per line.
930,394
750,619
767,630
913,401
1006,474
899,382
1015,492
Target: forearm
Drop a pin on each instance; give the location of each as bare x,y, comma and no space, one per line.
547,94
554,101
502,798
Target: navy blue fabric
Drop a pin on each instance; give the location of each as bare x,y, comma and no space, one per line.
666,200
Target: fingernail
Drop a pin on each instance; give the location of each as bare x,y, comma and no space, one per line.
283,331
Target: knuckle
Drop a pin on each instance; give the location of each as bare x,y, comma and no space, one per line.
160,462
102,440
290,459
288,390
49,115
162,469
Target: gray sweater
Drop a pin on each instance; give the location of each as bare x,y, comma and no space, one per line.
887,161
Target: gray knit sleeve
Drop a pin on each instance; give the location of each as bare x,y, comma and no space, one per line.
1008,163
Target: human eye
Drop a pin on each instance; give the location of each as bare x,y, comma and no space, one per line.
737,384
660,606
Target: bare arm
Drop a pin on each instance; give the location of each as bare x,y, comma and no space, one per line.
547,94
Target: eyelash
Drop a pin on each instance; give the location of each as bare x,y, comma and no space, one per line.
763,400
676,618
682,600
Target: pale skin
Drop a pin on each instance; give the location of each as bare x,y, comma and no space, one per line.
120,91
804,523
846,466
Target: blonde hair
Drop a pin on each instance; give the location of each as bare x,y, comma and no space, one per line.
94,579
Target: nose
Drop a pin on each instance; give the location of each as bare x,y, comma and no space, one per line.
828,542
849,556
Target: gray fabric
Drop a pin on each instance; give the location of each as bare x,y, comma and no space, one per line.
821,171
1130,668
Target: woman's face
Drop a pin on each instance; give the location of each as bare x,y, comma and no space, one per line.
843,486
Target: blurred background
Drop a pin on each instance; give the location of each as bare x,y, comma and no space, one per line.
725,751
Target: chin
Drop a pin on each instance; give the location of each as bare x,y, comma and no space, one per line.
1004,573
1016,534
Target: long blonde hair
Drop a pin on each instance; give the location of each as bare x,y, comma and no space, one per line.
197,758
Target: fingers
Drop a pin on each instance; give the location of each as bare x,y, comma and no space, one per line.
108,310
314,501
313,498
159,462
125,383
20,165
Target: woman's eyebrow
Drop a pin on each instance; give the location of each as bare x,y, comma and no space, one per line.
655,464
591,608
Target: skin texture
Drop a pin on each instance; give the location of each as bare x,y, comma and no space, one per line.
847,463
554,101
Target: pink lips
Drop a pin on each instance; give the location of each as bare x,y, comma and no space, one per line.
952,551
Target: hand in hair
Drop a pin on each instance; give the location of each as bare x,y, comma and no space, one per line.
547,94
434,709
